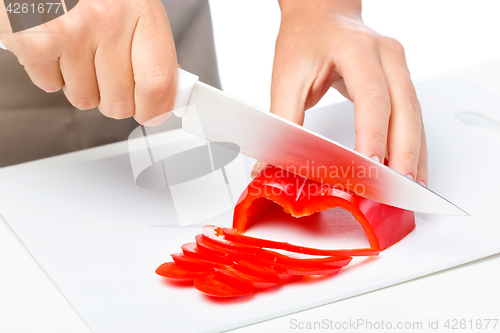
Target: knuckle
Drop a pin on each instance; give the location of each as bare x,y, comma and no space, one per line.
106,15
393,46
377,94
158,86
413,108
121,110
374,136
411,156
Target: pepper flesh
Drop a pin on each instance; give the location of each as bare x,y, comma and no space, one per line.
383,225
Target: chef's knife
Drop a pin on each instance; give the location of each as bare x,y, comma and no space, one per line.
212,114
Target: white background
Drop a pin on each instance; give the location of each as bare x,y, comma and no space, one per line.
438,36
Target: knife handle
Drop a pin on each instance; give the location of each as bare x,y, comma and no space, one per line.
185,86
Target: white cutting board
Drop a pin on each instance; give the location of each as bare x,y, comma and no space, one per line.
97,234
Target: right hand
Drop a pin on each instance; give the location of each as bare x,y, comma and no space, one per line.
116,55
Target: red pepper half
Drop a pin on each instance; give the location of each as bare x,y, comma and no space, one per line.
384,225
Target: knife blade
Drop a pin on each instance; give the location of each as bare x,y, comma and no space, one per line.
218,117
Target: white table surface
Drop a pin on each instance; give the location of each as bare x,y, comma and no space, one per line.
30,302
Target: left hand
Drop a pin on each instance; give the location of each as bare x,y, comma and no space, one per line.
325,44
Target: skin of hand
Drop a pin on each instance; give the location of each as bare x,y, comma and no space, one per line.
326,44
118,55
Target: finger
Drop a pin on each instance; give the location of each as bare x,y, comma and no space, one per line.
367,86
155,66
115,77
80,81
339,85
257,168
43,69
289,90
405,123
422,173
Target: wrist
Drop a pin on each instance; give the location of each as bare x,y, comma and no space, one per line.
343,7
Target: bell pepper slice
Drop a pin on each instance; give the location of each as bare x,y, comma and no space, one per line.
325,262
192,250
238,237
215,236
236,278
300,270
193,258
263,272
205,246
172,271
384,225
258,252
193,264
211,286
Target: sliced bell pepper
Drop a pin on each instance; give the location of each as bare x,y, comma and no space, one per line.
215,235
211,286
226,263
219,244
384,225
236,278
192,250
324,262
240,238
195,259
193,264
254,269
172,271
217,250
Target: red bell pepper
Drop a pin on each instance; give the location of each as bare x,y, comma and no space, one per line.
172,271
192,250
219,241
211,286
215,236
226,263
384,225
240,238
236,278
217,250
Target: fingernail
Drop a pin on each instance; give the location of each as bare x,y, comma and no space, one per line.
421,182
375,158
409,176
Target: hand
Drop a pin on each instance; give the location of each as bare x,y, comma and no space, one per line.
116,55
326,44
